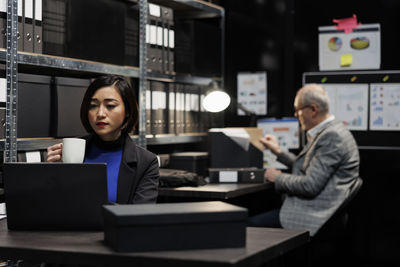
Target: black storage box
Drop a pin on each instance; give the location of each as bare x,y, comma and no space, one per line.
236,175
196,162
226,153
174,226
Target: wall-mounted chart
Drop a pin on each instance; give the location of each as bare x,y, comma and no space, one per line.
349,104
384,106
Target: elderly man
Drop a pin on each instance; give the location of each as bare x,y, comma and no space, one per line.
322,173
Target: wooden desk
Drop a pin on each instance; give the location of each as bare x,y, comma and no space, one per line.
87,248
214,191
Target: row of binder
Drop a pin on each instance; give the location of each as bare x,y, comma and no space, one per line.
175,108
160,39
29,32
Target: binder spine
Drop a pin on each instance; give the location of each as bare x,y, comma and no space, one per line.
3,24
28,26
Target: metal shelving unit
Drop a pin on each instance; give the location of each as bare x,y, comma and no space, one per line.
195,9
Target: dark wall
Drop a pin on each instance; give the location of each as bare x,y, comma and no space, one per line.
281,37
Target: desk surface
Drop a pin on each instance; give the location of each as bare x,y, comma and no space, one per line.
87,248
214,191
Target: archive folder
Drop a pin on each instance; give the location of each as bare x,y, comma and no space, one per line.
167,17
171,108
37,25
192,108
28,26
3,24
50,37
149,125
20,30
180,108
158,107
236,175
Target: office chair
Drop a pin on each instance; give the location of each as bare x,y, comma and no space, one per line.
325,246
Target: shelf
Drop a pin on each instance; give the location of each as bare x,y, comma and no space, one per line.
192,8
71,64
176,139
30,144
78,66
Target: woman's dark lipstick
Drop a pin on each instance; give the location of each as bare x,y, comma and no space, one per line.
101,124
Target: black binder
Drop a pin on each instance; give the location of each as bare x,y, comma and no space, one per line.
154,52
204,123
180,108
20,30
158,107
28,26
37,24
236,175
2,122
192,108
98,27
149,125
3,24
171,108
132,36
167,17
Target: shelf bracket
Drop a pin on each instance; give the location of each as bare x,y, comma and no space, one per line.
10,150
143,9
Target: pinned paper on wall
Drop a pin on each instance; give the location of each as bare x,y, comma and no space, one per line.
349,46
346,60
252,92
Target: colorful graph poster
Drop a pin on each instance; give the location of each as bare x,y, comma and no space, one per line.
349,104
385,107
252,92
286,131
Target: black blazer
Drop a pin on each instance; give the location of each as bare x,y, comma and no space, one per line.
138,174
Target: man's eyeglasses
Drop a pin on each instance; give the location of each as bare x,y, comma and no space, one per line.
296,110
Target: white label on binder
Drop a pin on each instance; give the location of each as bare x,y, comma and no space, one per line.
3,6
165,37
154,10
29,9
153,34
171,100
194,102
159,36
155,100
3,90
19,7
201,103
171,39
148,99
187,103
147,33
163,100
180,100
38,10
228,176
33,156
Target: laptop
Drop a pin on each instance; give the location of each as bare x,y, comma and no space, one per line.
55,196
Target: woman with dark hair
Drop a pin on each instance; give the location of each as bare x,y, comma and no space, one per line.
109,112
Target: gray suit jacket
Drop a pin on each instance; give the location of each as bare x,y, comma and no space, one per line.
322,175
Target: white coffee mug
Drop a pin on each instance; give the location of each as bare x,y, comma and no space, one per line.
73,150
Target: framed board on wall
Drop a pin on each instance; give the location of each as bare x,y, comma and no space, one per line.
367,102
